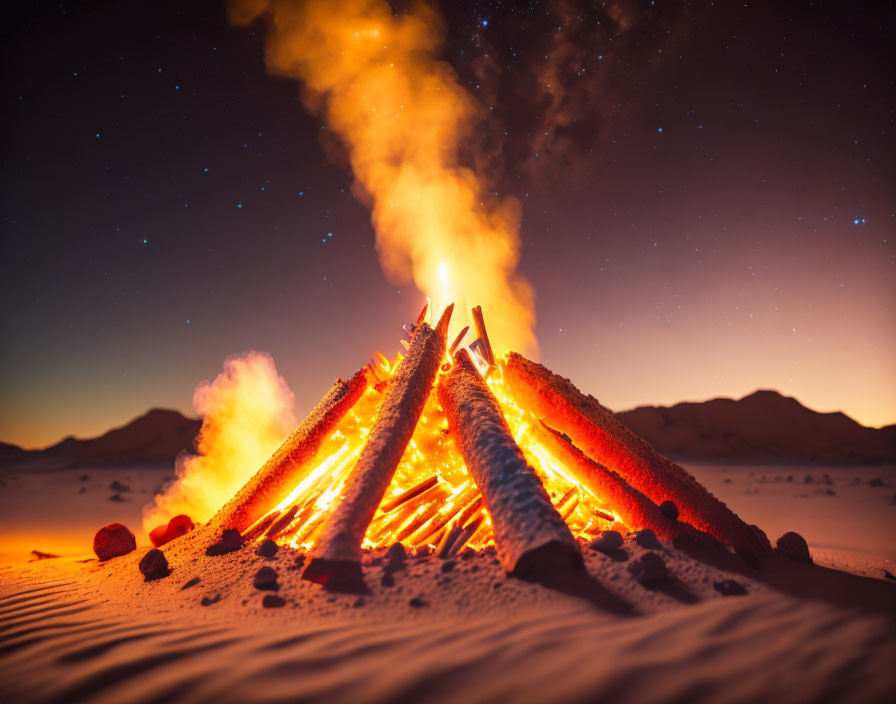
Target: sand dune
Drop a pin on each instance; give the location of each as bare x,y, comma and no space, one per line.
95,632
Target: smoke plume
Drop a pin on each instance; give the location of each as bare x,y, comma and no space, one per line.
376,79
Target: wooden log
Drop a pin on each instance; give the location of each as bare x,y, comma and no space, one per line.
336,557
292,460
530,535
393,503
479,322
635,509
464,536
600,436
458,340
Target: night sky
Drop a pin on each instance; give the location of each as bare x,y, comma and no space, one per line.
707,198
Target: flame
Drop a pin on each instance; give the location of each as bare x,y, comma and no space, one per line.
431,493
375,77
247,411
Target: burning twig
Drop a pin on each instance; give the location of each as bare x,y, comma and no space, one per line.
479,322
393,503
529,533
458,340
464,536
290,463
337,553
605,440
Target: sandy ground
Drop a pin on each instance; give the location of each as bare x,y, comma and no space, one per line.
87,631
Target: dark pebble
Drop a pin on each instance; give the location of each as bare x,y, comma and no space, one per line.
299,563
230,541
793,546
359,603
669,510
889,575
268,548
467,554
448,565
118,498
728,587
649,569
266,579
417,603
192,583
647,539
153,565
209,600
396,556
388,580
112,541
607,541
272,601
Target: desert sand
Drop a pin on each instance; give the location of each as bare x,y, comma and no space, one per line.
74,629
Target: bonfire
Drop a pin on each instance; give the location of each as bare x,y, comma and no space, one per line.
447,447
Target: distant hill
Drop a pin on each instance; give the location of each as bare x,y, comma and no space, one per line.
156,437
762,426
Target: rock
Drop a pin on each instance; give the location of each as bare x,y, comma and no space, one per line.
266,579
118,486
84,478
876,482
448,565
647,539
118,498
467,554
268,548
39,555
153,565
608,541
417,603
299,562
176,527
191,583
359,603
82,490
728,587
230,541
113,540
272,601
793,546
649,569
669,510
396,556
889,575
388,580
209,600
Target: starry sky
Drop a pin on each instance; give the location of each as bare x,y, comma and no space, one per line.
707,198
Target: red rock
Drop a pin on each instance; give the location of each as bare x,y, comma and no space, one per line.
112,541
177,526
154,565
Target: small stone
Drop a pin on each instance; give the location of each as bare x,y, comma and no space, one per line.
669,510
209,600
118,498
118,486
266,579
417,603
359,603
649,569
272,601
647,539
112,541
794,547
191,583
388,580
84,478
876,482
889,575
608,541
230,541
467,554
268,548
396,556
153,565
728,587
299,562
448,565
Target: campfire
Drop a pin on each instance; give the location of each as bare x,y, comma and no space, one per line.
447,447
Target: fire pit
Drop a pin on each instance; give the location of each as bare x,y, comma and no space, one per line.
446,447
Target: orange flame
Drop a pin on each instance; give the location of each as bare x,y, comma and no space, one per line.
403,116
247,411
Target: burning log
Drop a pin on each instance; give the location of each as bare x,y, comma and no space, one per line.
604,439
337,554
635,509
411,493
486,348
530,535
287,465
